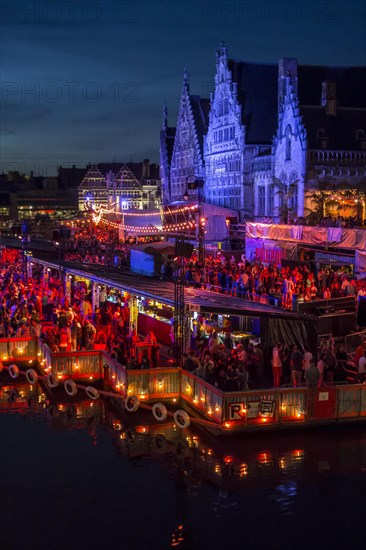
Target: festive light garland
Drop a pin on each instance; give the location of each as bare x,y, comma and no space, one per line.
136,229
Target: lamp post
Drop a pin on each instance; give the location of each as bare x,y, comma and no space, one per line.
194,183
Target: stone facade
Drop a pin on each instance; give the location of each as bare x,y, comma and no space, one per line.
225,142
187,158
272,134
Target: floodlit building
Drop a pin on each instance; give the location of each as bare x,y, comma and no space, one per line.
273,136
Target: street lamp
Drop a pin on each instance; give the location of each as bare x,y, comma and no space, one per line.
194,183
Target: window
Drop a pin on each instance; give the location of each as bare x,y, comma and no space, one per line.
226,134
261,200
288,142
270,199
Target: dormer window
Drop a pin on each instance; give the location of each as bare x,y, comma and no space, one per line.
360,135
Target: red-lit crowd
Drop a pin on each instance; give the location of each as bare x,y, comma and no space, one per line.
269,284
101,245
38,307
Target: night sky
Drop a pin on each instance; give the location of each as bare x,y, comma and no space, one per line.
85,81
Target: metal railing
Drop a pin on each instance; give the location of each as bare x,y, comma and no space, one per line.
21,349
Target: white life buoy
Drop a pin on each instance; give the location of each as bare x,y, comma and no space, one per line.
159,444
70,387
160,412
91,392
52,380
181,419
31,376
132,403
13,371
182,450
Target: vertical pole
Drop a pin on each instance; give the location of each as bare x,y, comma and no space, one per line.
134,312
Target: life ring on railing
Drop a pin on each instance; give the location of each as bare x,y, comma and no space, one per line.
91,392
132,403
13,371
53,411
160,412
70,387
182,450
31,376
181,419
52,380
159,444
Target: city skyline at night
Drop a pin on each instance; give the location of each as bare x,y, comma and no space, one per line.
87,83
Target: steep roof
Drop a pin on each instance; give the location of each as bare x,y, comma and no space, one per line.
340,130
200,109
350,82
167,143
258,95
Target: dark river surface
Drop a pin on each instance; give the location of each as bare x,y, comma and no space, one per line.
86,475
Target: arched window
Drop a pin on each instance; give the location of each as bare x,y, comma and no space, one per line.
288,142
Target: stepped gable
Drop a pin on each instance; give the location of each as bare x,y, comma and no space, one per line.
93,177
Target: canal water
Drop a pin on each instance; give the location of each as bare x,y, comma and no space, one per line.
85,475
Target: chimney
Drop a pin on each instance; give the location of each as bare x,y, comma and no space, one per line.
287,67
329,97
146,169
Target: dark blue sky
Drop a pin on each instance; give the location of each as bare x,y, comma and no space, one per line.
85,80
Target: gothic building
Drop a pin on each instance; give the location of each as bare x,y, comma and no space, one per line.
273,134
186,149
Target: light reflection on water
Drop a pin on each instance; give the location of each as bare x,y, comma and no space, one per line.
84,475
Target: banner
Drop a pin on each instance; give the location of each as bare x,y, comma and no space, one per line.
360,263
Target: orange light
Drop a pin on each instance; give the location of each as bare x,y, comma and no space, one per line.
227,424
264,419
228,459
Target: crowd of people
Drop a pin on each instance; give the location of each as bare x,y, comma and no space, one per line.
102,245
296,368
269,283
39,307
99,246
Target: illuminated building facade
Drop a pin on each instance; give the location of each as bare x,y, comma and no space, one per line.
275,133
117,186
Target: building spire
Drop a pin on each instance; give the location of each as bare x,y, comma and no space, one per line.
165,116
186,80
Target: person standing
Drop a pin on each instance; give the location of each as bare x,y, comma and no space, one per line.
362,368
296,366
307,359
320,366
312,376
277,364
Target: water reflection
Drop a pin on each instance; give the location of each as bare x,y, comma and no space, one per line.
209,483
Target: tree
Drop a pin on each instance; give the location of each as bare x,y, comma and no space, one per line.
286,191
357,199
315,215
